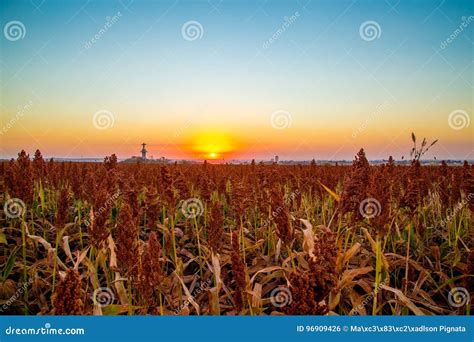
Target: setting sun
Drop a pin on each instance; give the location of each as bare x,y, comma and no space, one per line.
212,143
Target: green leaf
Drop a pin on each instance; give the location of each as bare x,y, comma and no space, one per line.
3,238
10,263
114,309
332,193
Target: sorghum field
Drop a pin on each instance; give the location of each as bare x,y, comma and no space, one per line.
176,239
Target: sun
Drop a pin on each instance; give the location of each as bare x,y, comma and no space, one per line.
211,143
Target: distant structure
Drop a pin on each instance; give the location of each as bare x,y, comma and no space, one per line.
276,159
144,159
143,151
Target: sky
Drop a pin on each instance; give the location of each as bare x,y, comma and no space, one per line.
236,79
